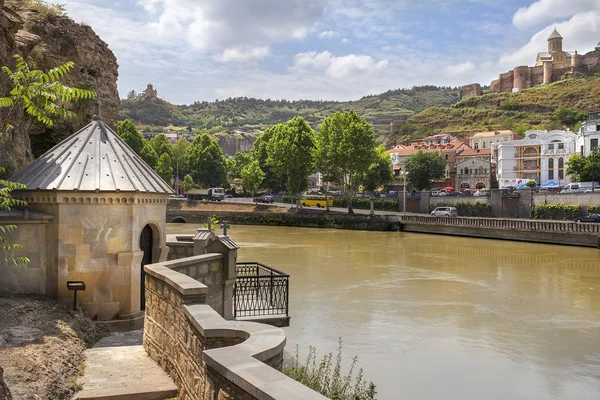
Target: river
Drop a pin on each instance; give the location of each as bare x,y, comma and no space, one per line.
434,317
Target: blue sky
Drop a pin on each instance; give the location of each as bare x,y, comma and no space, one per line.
195,50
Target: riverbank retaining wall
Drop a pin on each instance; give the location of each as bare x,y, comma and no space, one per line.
553,232
304,220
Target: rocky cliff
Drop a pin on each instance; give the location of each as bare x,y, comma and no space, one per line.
52,39
232,143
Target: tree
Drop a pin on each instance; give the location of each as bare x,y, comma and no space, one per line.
131,95
165,167
273,180
290,153
584,169
345,151
568,117
531,184
252,177
380,172
597,48
424,167
236,164
206,162
130,135
6,203
178,153
188,184
160,144
149,155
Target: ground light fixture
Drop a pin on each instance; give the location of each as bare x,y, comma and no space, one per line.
75,286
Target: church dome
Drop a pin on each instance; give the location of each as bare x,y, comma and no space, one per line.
555,35
92,159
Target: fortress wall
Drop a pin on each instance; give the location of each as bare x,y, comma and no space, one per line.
521,77
536,76
474,89
495,86
507,81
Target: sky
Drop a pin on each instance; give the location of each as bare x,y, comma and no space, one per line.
197,50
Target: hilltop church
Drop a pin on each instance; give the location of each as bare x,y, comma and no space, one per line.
550,66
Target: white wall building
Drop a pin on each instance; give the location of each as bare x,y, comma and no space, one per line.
589,135
541,156
484,140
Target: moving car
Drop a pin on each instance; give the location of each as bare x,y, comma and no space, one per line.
590,218
263,198
445,212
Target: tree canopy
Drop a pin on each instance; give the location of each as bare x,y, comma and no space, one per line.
164,167
345,150
187,184
422,168
149,155
178,155
273,180
206,162
130,135
160,144
380,172
584,169
290,153
252,177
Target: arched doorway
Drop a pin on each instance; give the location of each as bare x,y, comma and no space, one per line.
146,240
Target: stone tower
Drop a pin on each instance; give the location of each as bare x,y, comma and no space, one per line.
555,42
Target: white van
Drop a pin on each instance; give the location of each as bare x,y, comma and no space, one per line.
584,187
445,212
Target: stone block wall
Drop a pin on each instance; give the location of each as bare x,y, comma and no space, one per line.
207,356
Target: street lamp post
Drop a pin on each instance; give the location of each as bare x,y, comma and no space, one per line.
404,173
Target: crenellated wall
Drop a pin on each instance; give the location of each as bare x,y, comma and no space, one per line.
207,356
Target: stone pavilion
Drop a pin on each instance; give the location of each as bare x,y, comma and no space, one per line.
96,213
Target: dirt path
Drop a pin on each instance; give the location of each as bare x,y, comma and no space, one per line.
41,346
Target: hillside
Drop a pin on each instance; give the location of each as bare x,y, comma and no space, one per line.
527,109
249,114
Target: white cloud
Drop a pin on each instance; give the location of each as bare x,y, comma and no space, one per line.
345,40
544,11
237,54
460,69
328,34
339,67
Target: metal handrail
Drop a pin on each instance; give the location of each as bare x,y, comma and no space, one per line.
260,290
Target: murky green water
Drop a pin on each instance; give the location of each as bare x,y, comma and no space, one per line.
435,317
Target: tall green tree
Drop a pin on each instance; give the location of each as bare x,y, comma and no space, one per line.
252,177
149,155
380,172
423,168
178,154
345,150
164,168
130,135
290,153
236,164
584,169
188,184
160,144
206,162
568,117
273,180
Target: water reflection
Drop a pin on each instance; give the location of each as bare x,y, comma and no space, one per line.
442,317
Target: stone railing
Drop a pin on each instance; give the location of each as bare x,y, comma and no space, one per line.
207,356
180,246
505,224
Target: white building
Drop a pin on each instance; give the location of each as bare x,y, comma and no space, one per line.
484,140
541,156
589,135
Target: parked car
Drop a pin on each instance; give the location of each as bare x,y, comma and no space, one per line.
263,198
590,218
445,212
228,196
481,192
453,193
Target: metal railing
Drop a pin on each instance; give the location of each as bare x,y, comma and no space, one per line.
260,290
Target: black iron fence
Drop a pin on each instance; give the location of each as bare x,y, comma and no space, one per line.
259,290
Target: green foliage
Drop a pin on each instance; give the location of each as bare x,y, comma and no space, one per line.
152,111
380,172
130,135
569,117
327,378
290,152
556,211
423,168
165,167
213,222
467,209
160,144
178,155
593,209
6,203
41,9
39,93
252,177
584,168
531,184
188,184
206,162
149,155
237,164
346,151
273,180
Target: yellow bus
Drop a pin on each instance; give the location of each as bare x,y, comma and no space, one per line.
318,200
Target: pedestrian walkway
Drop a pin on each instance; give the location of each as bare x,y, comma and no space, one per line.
117,367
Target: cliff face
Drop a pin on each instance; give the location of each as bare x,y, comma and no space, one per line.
232,143
52,41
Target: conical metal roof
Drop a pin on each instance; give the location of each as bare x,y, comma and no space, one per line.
555,35
94,158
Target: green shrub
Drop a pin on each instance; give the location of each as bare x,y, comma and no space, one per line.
467,209
327,379
593,209
557,211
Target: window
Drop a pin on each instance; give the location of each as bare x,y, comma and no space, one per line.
484,145
551,168
561,166
476,145
561,146
594,144
485,171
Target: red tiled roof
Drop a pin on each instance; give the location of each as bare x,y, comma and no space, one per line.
475,152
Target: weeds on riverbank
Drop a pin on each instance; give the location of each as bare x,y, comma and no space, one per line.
328,379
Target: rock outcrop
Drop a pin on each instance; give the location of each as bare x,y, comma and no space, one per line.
52,41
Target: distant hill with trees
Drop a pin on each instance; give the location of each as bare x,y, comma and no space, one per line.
249,114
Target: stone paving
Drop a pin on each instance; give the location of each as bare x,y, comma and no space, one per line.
117,367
